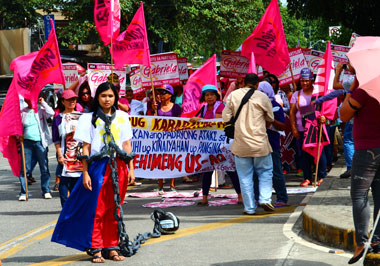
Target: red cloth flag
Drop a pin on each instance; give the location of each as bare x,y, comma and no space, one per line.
324,84
252,64
192,92
268,41
131,47
107,19
10,127
35,70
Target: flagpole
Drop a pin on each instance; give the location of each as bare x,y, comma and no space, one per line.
318,155
291,73
24,166
111,62
154,95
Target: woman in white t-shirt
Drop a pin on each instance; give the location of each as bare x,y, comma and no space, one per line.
87,220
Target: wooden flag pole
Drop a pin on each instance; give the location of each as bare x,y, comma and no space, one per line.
154,95
216,180
24,167
318,155
291,73
111,62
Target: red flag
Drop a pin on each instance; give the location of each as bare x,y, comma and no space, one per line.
192,92
324,84
34,70
11,126
268,41
107,19
131,47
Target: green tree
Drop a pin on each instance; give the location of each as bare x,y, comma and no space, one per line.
358,16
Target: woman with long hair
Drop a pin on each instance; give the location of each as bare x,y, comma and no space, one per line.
87,220
84,98
213,109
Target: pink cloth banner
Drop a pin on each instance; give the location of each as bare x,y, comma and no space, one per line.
192,92
35,70
131,47
268,41
11,126
107,19
233,64
324,84
164,71
252,64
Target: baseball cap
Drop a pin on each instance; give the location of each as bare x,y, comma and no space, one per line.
209,87
68,94
167,87
306,73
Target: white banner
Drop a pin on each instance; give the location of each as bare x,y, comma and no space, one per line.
182,68
297,61
98,73
164,70
71,75
233,65
174,147
135,79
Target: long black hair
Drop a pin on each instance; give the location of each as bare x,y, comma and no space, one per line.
272,79
95,104
80,94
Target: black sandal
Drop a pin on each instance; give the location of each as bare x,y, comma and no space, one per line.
102,260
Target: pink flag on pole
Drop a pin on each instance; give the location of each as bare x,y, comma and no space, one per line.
324,84
268,41
192,92
11,126
35,70
131,47
252,64
107,19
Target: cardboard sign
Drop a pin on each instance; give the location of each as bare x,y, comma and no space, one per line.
233,64
164,70
135,78
98,73
297,61
71,75
182,68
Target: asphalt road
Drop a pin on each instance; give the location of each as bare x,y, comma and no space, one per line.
207,235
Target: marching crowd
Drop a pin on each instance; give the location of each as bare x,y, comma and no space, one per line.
262,112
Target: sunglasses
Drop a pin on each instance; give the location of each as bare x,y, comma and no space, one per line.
86,93
162,92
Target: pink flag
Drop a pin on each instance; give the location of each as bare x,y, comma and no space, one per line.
10,126
252,64
268,41
192,92
131,47
107,19
324,84
34,70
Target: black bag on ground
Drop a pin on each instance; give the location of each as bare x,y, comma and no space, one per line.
229,128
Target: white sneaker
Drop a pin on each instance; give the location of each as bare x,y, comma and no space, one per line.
47,196
22,198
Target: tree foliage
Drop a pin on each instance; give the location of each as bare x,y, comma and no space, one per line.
361,16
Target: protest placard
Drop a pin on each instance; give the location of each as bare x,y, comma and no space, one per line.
233,64
297,61
164,70
71,75
182,68
98,73
174,147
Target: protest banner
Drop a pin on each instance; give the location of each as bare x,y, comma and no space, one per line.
353,39
182,68
71,75
297,61
313,59
136,85
164,70
233,64
174,147
98,73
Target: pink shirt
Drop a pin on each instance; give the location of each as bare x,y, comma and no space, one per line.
304,101
210,113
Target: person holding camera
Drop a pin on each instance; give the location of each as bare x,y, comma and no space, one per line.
301,109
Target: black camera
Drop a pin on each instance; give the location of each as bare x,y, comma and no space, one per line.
344,66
